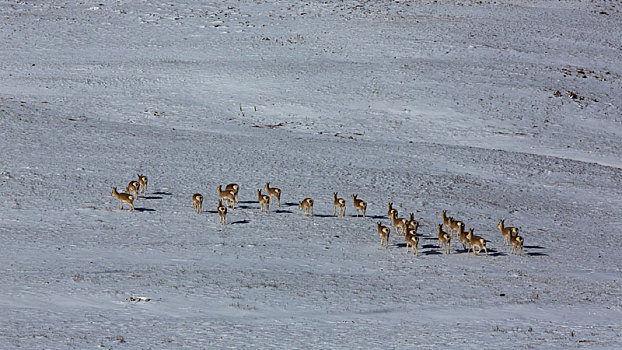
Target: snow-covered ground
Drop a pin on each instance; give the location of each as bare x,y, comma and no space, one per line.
488,109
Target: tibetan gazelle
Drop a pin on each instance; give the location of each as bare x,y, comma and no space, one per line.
132,187
478,242
462,236
197,202
123,197
339,203
227,195
273,192
359,205
517,242
307,206
264,201
391,211
505,231
142,183
444,239
222,212
235,188
454,226
446,220
411,240
398,223
384,233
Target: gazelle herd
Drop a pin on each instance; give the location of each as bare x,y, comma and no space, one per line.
450,227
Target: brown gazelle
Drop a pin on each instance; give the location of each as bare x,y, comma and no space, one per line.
462,236
478,242
273,192
383,232
412,223
264,201
505,231
446,220
359,205
339,203
307,206
132,187
197,202
454,226
235,188
142,183
401,223
412,240
222,212
391,211
123,198
444,239
227,195
517,242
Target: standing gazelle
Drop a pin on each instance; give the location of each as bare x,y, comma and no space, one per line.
264,201
197,202
273,192
307,206
132,187
391,211
142,183
123,197
384,233
359,205
235,188
339,203
478,242
412,240
227,196
517,242
222,212
444,239
505,231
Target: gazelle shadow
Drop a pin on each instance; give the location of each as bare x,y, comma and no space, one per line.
239,222
432,252
163,193
143,209
150,197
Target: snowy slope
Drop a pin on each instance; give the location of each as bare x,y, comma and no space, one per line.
429,105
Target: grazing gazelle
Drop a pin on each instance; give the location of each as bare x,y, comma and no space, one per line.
383,232
412,240
142,183
227,196
359,205
132,187
444,239
123,197
517,242
264,201
273,192
339,203
505,231
235,188
222,212
197,202
478,242
307,206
